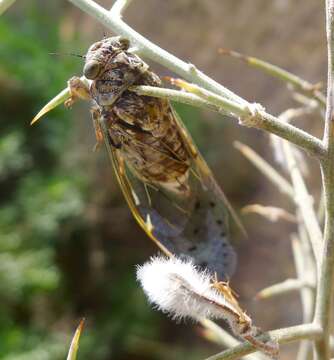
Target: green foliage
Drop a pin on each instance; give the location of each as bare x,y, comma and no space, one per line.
46,281
36,198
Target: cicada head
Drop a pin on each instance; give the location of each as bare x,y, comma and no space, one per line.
100,53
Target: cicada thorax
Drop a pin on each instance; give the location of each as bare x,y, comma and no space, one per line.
143,128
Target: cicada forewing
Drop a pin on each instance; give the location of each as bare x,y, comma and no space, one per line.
194,226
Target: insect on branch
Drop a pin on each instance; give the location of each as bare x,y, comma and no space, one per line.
205,92
264,120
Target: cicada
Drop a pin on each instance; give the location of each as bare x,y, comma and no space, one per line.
168,186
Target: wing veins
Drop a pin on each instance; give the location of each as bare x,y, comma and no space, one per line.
201,164
126,187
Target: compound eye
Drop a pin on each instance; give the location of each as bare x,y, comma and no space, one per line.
92,69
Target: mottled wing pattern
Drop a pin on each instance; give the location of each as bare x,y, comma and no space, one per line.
205,235
151,143
193,227
166,183
128,192
206,175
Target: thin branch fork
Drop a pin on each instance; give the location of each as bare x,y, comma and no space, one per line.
305,331
324,307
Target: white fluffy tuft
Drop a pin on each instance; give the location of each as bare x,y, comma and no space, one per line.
176,287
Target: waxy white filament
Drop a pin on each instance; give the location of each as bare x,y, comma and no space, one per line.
179,289
176,287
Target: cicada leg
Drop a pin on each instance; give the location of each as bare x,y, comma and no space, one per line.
78,90
96,114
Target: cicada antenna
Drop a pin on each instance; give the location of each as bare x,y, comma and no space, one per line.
69,54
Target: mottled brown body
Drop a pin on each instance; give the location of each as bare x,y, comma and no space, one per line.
143,128
183,211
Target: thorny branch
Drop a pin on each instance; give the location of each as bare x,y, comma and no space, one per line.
297,84
248,114
152,51
262,120
208,93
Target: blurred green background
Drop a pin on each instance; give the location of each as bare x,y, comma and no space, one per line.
68,243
